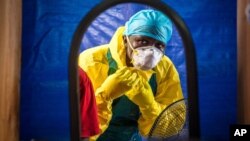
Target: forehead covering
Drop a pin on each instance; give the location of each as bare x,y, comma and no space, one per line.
150,23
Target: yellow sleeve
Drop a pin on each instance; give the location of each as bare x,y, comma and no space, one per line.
94,63
168,91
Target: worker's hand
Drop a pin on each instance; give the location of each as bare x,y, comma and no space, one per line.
141,93
118,83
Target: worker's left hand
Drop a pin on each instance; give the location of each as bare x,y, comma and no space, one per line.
141,93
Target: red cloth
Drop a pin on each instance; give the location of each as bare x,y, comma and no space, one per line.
89,119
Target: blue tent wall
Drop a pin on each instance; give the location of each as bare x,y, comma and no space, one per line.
48,28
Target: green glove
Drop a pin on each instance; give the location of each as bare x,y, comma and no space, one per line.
117,84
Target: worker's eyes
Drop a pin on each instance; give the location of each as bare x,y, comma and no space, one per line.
160,46
142,42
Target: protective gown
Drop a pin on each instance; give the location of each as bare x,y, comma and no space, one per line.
121,116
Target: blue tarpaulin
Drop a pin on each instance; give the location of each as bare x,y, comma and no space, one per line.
48,29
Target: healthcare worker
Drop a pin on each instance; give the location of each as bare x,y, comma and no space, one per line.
132,78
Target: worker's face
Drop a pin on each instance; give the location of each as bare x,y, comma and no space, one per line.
138,41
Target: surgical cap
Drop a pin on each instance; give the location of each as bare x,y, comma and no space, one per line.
150,23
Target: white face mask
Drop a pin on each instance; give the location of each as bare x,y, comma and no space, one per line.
145,58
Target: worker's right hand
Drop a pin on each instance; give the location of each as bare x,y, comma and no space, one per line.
117,84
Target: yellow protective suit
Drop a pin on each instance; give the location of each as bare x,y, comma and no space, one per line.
95,63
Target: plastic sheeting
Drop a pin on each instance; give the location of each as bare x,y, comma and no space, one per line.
48,28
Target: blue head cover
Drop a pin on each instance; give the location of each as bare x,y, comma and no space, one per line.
151,23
